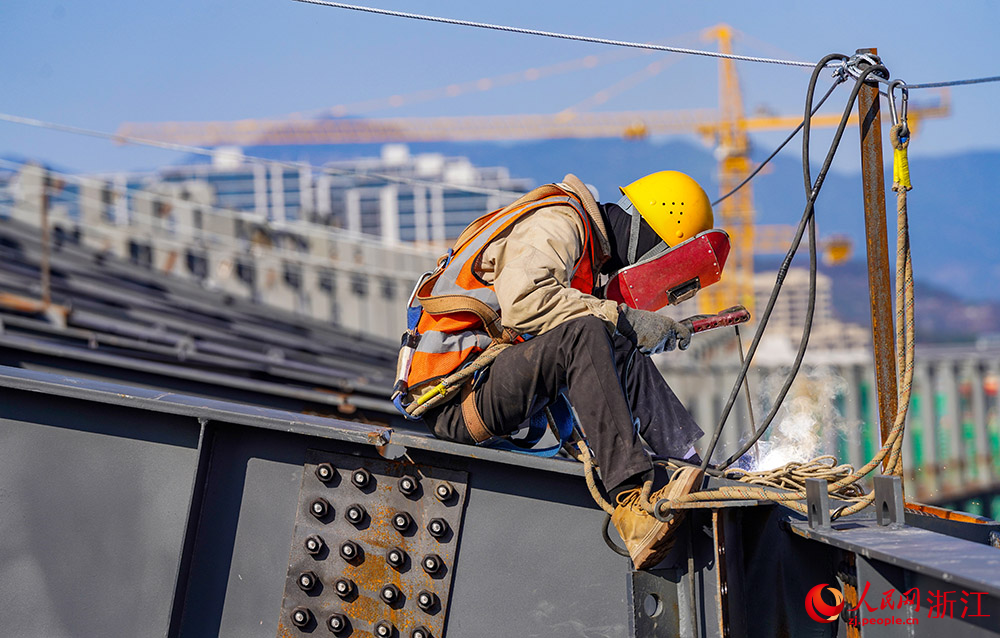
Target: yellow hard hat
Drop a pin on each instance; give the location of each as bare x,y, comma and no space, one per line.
673,205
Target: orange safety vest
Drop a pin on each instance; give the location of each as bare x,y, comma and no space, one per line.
461,313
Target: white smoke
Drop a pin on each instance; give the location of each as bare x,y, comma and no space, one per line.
808,423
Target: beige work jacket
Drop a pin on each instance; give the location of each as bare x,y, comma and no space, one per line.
531,267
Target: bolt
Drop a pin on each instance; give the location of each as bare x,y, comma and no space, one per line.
395,557
343,587
383,629
420,632
313,545
425,599
350,551
307,581
337,623
301,616
408,485
437,527
355,514
324,472
402,521
444,491
361,477
319,508
432,563
390,594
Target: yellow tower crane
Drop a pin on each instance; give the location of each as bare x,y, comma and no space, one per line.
727,129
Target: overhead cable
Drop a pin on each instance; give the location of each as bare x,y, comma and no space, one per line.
208,152
611,42
555,34
936,85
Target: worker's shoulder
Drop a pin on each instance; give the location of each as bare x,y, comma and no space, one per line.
559,214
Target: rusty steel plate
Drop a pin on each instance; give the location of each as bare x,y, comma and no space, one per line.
354,520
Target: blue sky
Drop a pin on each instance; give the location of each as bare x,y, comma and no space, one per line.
97,64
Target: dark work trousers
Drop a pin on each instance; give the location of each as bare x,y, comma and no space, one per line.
619,396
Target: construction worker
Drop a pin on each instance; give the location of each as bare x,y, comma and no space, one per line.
530,275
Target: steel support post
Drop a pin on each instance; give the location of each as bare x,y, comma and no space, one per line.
46,270
879,282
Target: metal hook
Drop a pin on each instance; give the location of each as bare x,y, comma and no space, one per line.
905,94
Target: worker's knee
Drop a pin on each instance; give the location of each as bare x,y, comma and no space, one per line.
586,329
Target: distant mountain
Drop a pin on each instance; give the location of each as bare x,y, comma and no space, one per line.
954,227
940,315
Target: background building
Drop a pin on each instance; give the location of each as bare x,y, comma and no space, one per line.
342,243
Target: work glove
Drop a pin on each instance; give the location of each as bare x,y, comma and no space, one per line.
652,333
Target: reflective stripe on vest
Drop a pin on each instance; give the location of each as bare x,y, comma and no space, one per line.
451,328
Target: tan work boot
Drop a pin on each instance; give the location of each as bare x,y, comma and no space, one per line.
647,538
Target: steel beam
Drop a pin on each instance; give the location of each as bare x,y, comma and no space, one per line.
879,282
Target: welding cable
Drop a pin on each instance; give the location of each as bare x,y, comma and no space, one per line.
807,214
838,79
810,189
758,333
810,215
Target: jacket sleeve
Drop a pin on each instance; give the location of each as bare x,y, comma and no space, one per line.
531,270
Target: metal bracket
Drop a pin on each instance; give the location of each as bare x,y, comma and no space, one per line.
860,61
817,503
654,604
889,507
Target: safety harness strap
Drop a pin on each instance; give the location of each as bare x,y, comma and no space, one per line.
470,414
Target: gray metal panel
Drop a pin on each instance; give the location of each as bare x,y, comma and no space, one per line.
240,555
532,562
957,561
92,510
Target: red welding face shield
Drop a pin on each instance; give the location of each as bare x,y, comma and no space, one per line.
673,276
